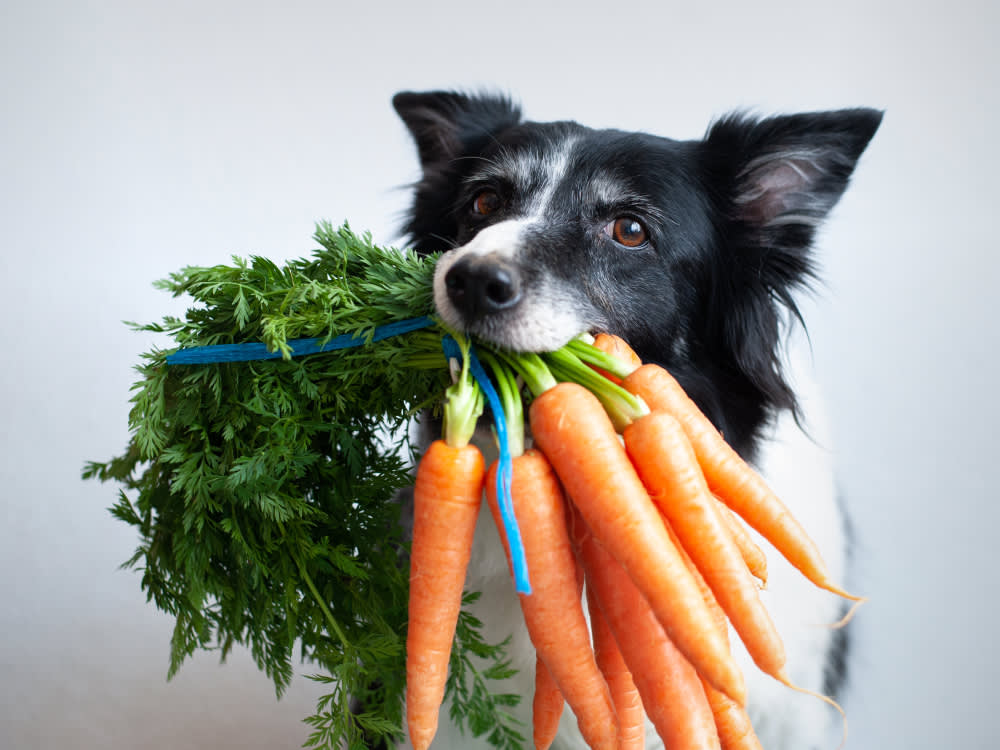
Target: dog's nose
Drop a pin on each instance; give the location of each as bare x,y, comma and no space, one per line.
480,286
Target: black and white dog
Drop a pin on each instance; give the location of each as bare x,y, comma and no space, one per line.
690,250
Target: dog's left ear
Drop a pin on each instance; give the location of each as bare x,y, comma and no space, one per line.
447,124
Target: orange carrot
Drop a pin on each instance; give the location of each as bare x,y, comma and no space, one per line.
552,611
718,616
624,694
753,555
616,347
546,707
446,502
670,687
548,701
667,465
729,477
732,722
571,427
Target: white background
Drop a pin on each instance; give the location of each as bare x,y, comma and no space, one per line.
140,137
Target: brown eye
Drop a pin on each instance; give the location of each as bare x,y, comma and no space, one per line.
485,203
627,231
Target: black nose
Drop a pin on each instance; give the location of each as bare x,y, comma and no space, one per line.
480,286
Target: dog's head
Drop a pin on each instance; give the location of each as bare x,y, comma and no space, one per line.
687,249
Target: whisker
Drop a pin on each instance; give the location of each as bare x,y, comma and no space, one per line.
449,242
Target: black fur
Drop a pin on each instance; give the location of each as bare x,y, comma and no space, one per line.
731,219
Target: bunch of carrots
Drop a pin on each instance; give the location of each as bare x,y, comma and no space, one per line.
631,494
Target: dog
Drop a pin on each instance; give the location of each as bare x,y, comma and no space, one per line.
693,251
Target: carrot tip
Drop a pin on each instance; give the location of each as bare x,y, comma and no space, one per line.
848,616
783,678
835,589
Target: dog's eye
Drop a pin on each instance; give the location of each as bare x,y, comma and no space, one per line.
627,231
485,203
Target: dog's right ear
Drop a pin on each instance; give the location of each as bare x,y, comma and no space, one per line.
446,124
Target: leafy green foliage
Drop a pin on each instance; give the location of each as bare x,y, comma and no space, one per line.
262,492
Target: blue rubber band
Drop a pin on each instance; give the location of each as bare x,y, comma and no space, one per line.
505,466
201,355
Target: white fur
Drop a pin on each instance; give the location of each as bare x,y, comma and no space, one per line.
553,165
799,468
526,170
546,318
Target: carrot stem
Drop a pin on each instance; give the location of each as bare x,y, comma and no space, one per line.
510,397
327,614
532,368
623,407
591,355
331,620
464,399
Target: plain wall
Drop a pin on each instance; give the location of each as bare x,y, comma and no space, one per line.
141,137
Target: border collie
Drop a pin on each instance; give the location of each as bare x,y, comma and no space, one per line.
692,251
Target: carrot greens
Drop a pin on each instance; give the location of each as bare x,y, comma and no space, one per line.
263,492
